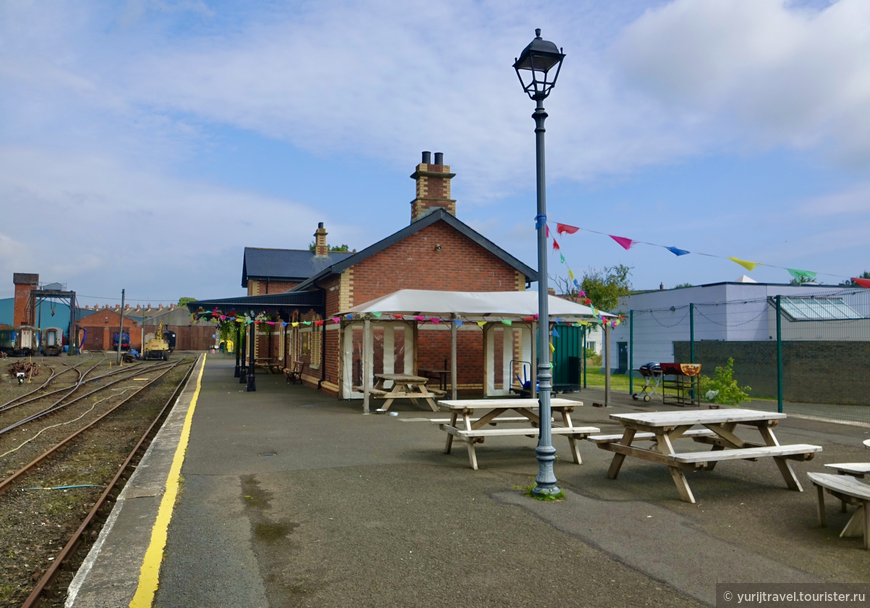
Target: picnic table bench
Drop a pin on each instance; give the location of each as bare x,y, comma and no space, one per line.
848,490
404,386
664,428
471,430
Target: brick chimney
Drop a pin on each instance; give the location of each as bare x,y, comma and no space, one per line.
24,284
321,249
433,187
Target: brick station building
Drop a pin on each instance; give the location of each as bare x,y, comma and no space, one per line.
436,251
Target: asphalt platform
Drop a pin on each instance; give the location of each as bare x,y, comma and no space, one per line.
288,497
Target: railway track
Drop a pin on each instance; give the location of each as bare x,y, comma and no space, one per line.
55,462
65,401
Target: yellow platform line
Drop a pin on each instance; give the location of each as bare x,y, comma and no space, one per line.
149,574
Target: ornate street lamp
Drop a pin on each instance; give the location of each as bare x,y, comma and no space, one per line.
536,63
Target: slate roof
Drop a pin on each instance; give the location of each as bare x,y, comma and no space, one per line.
285,264
438,215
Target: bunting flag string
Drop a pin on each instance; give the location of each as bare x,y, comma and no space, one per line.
627,243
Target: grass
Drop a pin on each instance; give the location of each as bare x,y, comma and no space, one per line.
530,492
595,378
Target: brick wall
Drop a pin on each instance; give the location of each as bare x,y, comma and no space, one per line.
813,372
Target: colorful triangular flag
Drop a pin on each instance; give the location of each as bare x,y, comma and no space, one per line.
677,251
624,242
562,228
750,266
801,274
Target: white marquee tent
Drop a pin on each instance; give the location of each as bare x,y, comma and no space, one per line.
514,306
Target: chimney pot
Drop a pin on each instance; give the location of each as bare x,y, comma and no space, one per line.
427,158
439,158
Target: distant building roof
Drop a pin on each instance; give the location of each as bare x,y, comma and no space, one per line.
286,264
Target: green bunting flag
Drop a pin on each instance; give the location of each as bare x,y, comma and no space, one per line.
801,274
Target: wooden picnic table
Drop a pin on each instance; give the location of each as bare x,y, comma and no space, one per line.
867,443
718,430
404,386
472,431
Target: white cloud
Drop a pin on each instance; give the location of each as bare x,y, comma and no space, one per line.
778,74
101,223
854,200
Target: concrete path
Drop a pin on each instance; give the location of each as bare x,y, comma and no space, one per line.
292,498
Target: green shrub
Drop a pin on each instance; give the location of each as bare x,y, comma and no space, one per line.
725,386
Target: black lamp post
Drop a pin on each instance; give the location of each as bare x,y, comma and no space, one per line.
252,382
536,63
243,346
236,346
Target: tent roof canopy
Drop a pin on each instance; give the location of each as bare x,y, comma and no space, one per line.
472,305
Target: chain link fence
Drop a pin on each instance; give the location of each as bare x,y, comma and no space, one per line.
805,355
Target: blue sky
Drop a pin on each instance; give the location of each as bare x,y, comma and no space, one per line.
144,144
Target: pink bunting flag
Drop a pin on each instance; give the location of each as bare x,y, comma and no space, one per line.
624,242
562,228
420,318
270,322
336,319
548,232
435,320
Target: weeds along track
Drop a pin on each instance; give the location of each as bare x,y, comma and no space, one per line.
56,373
55,504
31,427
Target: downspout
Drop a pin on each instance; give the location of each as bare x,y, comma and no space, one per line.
323,345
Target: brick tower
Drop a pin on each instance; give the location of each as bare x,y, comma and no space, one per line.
433,187
24,284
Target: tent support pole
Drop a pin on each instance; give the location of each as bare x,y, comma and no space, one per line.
453,335
367,360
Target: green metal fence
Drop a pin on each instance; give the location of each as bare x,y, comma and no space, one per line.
804,355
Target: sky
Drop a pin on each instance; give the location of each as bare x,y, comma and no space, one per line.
144,144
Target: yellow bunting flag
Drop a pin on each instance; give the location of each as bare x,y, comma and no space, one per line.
552,348
481,323
570,274
295,324
750,266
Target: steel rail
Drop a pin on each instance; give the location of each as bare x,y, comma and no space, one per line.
70,390
8,404
58,405
69,549
8,481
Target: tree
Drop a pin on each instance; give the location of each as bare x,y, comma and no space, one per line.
606,288
184,301
683,285
800,280
851,283
337,248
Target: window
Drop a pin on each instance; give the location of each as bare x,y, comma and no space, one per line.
316,342
591,346
817,309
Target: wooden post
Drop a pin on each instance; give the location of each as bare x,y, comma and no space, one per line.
533,387
368,353
453,339
606,364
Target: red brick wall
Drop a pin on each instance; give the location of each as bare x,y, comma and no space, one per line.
261,288
20,315
413,263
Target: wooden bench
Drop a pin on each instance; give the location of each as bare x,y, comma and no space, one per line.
472,437
798,451
650,436
855,469
848,490
294,373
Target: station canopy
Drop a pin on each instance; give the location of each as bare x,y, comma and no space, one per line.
475,306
